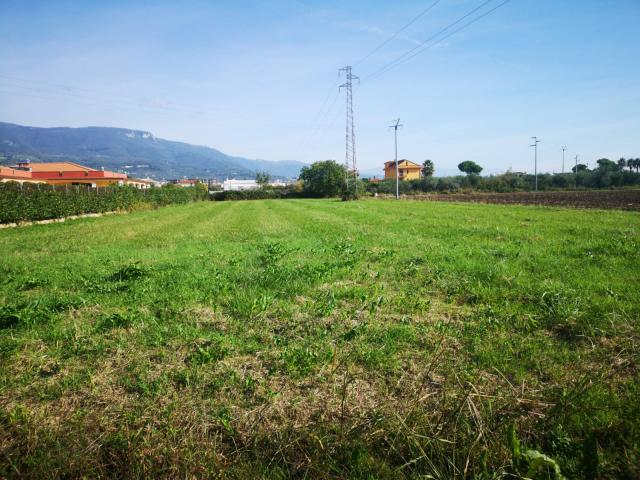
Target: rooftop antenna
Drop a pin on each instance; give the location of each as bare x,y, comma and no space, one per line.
395,127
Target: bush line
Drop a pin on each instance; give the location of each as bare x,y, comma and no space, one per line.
31,202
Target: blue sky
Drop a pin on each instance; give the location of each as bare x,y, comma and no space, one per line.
259,78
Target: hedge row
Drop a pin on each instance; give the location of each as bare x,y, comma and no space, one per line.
509,182
42,202
259,194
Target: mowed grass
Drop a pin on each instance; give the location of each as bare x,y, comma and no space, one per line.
321,339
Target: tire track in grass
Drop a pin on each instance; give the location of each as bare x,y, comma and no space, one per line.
384,224
316,221
112,242
88,233
194,232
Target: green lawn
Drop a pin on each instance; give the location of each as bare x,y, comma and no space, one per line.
322,339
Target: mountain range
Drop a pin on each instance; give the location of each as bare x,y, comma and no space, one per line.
136,152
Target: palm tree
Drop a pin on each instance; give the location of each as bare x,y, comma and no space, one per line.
636,163
428,168
630,163
622,163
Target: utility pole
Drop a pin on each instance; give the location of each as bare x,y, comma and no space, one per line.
564,149
535,158
350,136
575,177
395,132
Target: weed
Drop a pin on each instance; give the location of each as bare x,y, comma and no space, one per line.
131,271
9,317
117,320
206,352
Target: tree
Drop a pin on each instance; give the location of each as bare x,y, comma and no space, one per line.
428,168
324,179
469,167
581,167
622,163
606,165
263,179
630,163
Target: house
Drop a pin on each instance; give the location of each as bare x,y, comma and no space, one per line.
139,183
185,182
279,183
9,174
153,182
67,173
236,185
407,170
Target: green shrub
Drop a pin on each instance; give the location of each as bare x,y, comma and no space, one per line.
29,202
259,194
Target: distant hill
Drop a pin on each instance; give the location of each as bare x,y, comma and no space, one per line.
137,152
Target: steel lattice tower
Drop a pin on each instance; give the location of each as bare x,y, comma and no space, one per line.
350,136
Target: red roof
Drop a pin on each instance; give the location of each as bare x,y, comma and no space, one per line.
66,171
55,167
12,173
79,175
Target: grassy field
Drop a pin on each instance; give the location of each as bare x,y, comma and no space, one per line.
322,339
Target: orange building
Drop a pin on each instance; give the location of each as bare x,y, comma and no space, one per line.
67,173
406,170
9,174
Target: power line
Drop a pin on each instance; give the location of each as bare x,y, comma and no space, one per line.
398,32
328,126
350,135
425,44
393,63
322,112
320,116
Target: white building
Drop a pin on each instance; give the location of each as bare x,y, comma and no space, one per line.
279,183
235,185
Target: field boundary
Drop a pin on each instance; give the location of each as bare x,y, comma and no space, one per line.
627,199
59,220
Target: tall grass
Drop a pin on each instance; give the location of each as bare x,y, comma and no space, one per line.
322,339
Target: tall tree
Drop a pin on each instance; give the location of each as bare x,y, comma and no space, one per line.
604,164
631,163
428,168
324,179
469,167
263,179
622,163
